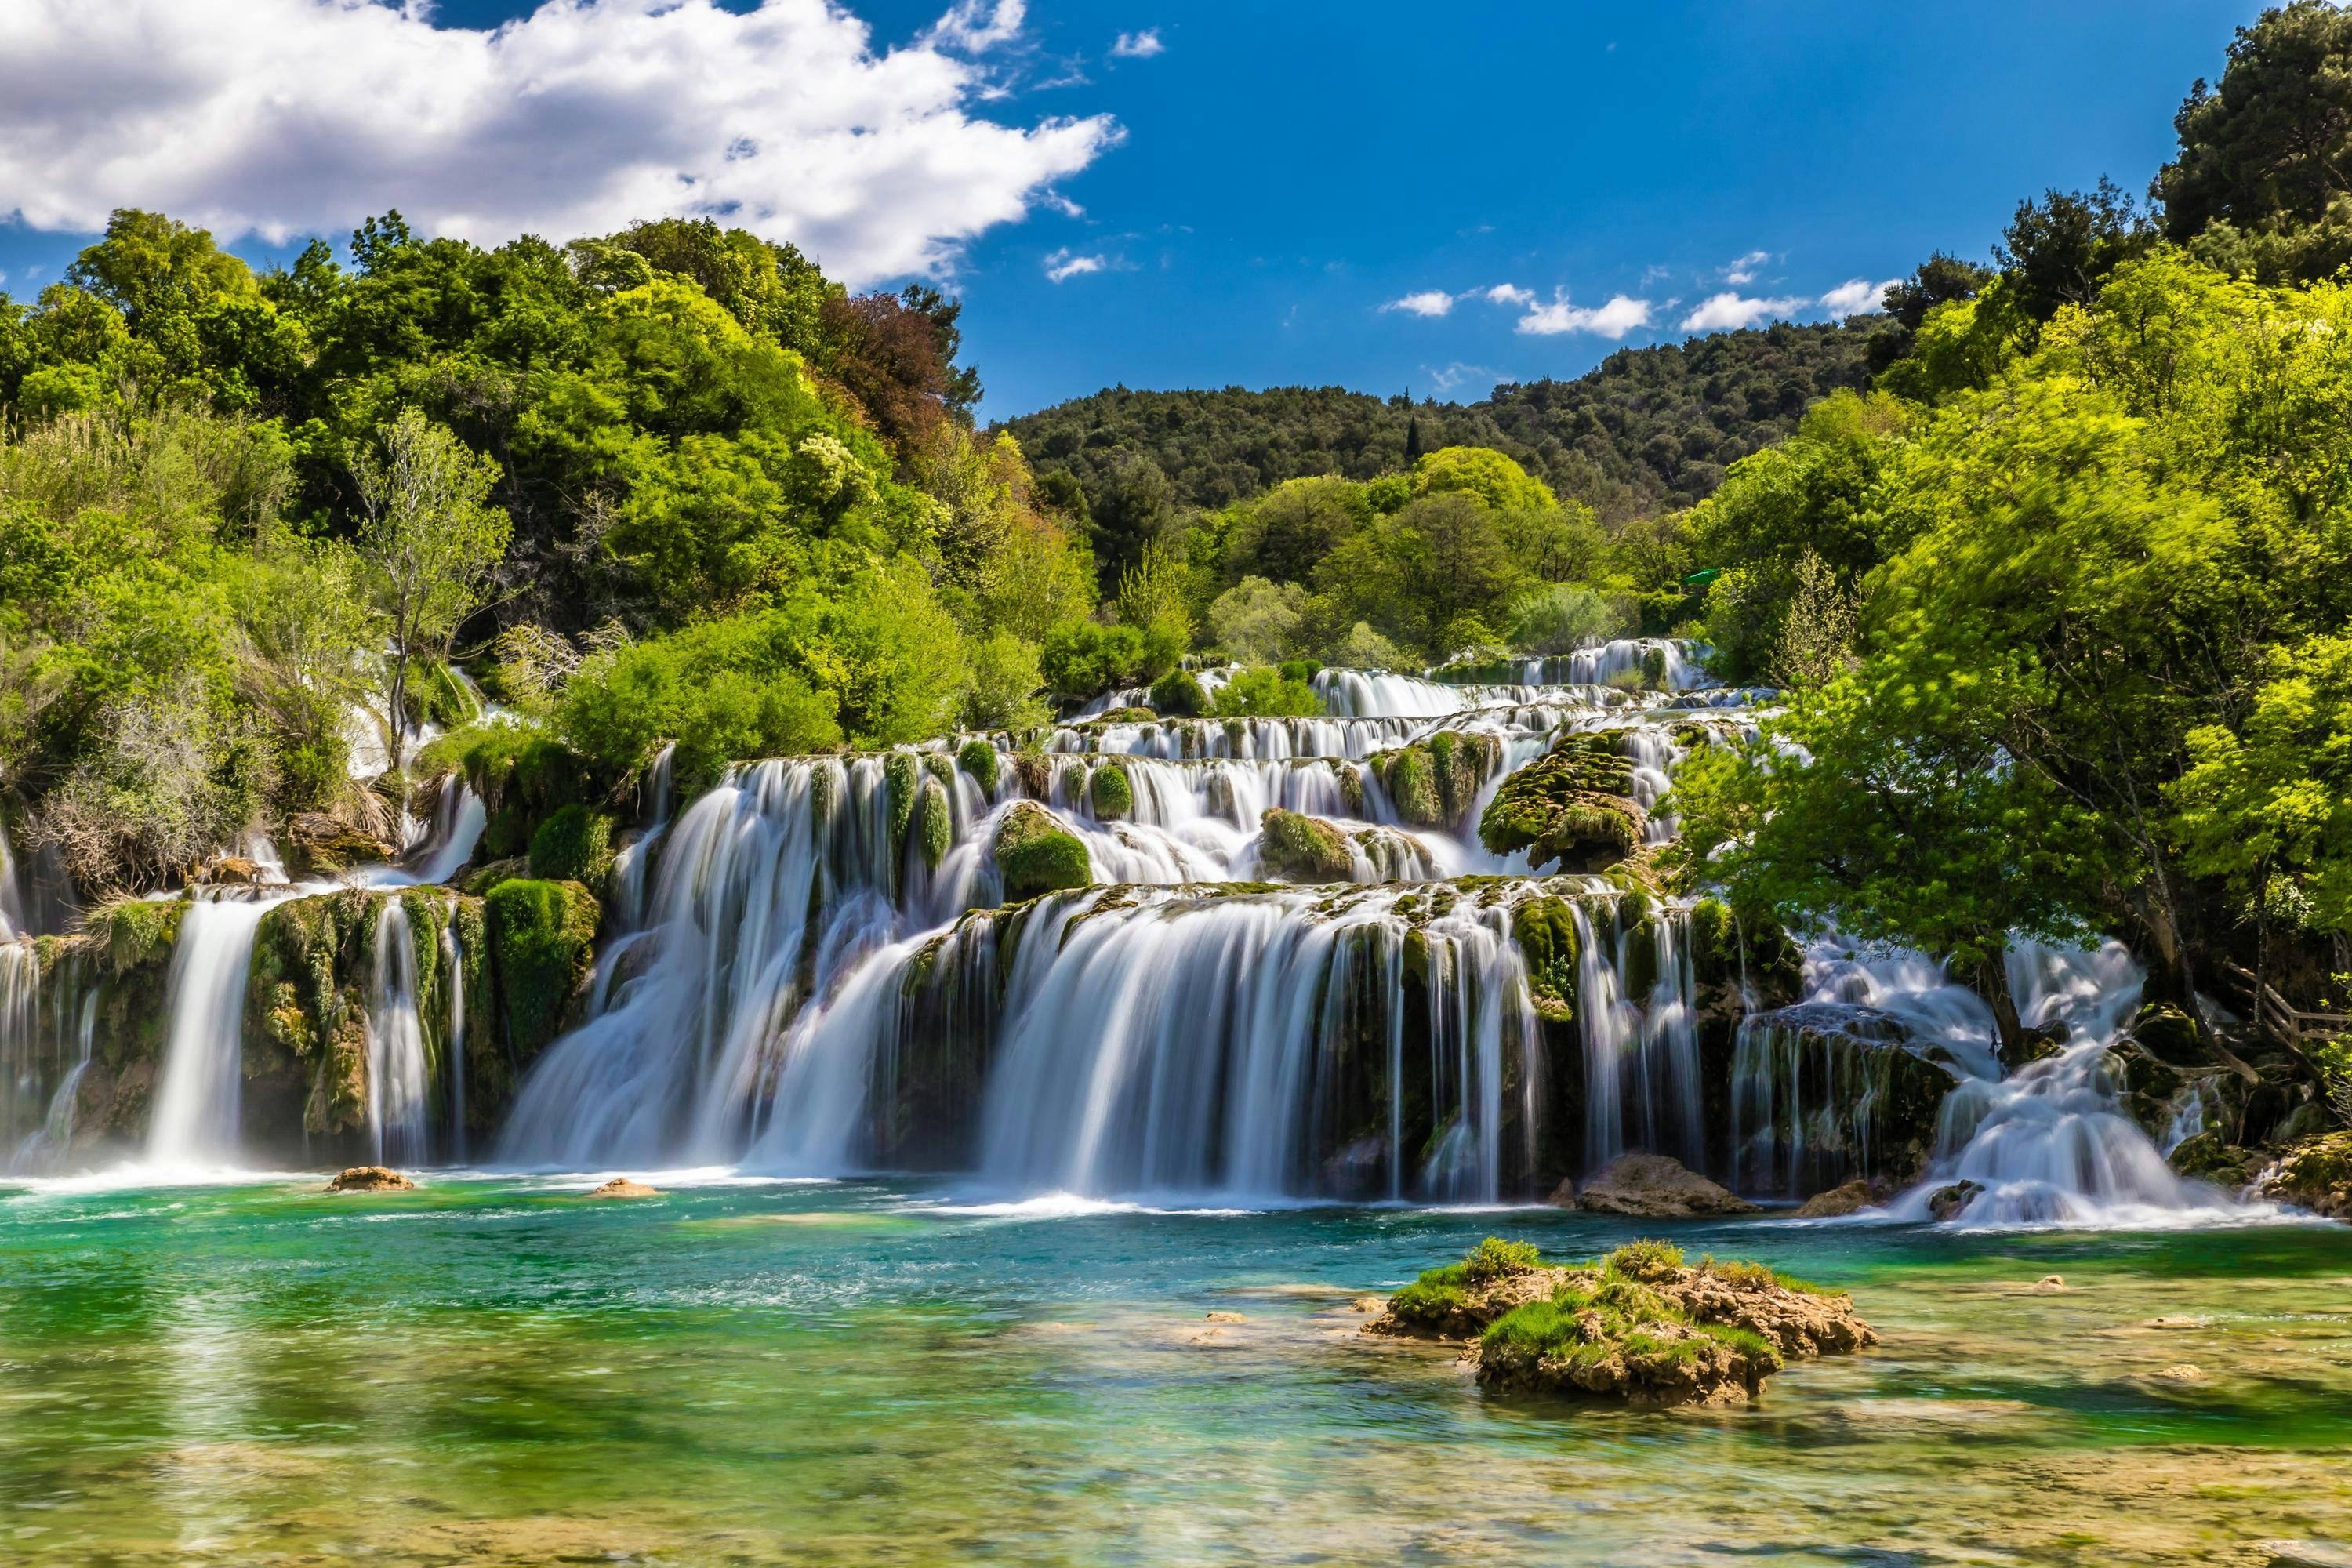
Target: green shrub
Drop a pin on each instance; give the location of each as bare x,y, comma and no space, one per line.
573,845
1494,1257
1300,668
1178,695
724,690
1036,855
1265,693
979,759
1644,1259
1108,790
935,824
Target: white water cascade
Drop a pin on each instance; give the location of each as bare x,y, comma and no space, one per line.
398,1073
195,1124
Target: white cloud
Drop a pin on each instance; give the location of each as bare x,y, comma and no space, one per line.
1857,297
975,26
1743,269
1428,303
1613,319
1727,311
289,116
1140,46
1511,294
1062,264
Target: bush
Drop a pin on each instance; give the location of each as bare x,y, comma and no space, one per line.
1178,695
1300,668
1493,1257
1108,790
573,845
1002,689
1256,619
978,758
1646,1260
1265,693
1563,618
722,690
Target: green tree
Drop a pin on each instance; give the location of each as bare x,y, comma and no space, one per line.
434,541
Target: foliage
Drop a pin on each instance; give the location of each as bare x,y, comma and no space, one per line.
573,845
1263,693
1257,620
722,690
540,936
1565,616
1178,695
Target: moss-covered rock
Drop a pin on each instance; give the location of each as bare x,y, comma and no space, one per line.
2168,1033
573,845
2316,1175
1572,809
934,823
316,844
1545,929
1036,853
1109,792
1293,847
1433,782
979,759
1178,695
540,936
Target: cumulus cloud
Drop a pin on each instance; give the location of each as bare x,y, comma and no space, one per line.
1140,46
1064,264
1621,315
976,26
1727,311
1428,303
289,117
1511,294
1857,297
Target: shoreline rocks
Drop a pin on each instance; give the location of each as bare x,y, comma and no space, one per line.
1638,1325
1651,1186
2316,1175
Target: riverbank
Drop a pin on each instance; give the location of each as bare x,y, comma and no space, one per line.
490,1370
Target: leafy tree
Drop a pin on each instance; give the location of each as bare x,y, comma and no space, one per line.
1282,534
1487,475
2056,251
1564,618
1263,693
432,540
1131,509
1258,621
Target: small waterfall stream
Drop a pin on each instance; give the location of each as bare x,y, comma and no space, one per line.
195,1124
398,1073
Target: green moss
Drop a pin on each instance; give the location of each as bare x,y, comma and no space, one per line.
1412,779
935,824
1300,668
978,758
1644,1259
1545,929
1434,783
1301,848
1178,694
903,775
136,932
1572,807
1036,855
573,845
1109,792
539,935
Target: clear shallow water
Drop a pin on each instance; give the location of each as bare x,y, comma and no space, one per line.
493,1371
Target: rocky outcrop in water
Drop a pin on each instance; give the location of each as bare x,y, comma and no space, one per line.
370,1179
1572,809
2316,1175
1637,1326
1293,847
1035,854
1651,1186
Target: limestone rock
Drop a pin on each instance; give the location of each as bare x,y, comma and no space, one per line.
623,1187
2316,1175
1035,854
1572,809
1655,1186
1294,848
1225,1318
1838,1202
1945,1203
370,1179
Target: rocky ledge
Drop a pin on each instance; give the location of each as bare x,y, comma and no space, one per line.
2316,1175
1638,1325
1650,1186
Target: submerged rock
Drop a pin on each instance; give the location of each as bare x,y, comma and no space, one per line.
623,1187
1637,1325
1838,1202
370,1179
1945,1203
1655,1186
2316,1175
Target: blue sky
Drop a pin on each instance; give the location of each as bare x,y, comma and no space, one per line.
1251,189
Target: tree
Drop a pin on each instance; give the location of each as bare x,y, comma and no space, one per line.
2265,160
433,539
2059,249
1937,280
1133,508
1256,621
1286,531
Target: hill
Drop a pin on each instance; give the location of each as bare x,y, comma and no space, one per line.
1647,430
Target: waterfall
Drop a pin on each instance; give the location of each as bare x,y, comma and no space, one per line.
398,1073
453,967
195,1121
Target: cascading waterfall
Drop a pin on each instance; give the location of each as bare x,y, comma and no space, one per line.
398,1072
194,1123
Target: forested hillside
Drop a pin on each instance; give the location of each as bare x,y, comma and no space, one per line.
1647,430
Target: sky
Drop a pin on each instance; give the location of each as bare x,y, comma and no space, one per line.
1390,198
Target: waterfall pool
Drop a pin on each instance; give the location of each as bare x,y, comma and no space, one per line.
491,1370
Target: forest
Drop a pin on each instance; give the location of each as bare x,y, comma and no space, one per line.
2049,556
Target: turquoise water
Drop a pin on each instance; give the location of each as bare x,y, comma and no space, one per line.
496,1370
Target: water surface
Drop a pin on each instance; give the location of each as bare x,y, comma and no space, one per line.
492,1370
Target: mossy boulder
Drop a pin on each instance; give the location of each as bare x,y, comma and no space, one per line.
1108,791
979,759
934,823
2316,1175
1036,853
1572,809
2168,1033
1545,929
573,845
1179,694
1638,1325
1433,782
316,844
2207,1157
540,938
1295,848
